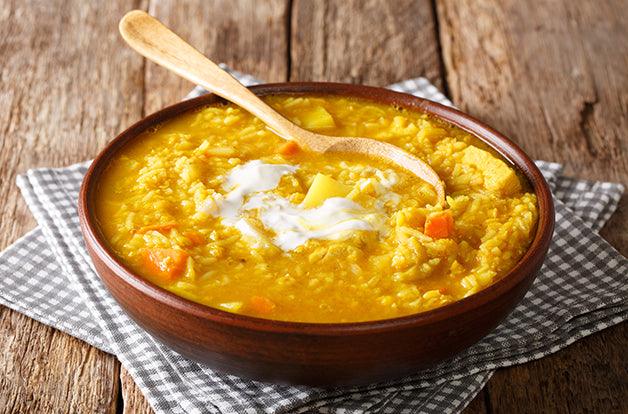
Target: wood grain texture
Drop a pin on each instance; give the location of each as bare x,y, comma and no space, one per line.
45,371
59,104
371,42
552,77
249,36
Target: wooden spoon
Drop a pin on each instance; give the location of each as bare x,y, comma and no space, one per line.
151,38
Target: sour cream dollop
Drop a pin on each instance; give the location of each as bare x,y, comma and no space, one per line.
294,225
249,188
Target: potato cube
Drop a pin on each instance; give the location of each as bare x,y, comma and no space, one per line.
322,188
498,176
316,118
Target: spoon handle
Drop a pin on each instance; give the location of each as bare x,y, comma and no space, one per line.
156,42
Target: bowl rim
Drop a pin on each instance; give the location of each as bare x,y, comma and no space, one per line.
494,139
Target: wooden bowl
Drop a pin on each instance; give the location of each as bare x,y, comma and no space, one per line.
308,353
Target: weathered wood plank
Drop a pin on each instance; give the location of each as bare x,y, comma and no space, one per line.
45,371
370,42
247,35
62,96
553,78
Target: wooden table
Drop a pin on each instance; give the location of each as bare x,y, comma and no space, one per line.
552,75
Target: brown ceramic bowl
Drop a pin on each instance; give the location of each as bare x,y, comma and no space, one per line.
307,353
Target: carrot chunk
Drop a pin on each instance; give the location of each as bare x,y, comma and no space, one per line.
167,264
159,227
439,225
289,148
195,237
261,305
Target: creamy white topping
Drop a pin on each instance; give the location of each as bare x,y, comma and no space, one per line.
257,239
293,224
252,177
386,179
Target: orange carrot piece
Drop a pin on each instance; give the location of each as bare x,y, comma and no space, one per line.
439,225
195,237
167,264
159,227
262,305
289,148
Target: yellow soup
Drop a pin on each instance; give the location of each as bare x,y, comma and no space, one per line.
217,209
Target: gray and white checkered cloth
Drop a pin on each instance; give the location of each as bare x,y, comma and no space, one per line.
581,289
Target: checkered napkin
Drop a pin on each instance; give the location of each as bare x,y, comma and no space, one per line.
581,289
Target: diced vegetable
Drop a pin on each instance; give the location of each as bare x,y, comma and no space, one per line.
431,133
289,148
210,205
195,237
231,306
401,125
439,225
317,118
167,264
322,188
158,227
226,152
261,305
498,176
